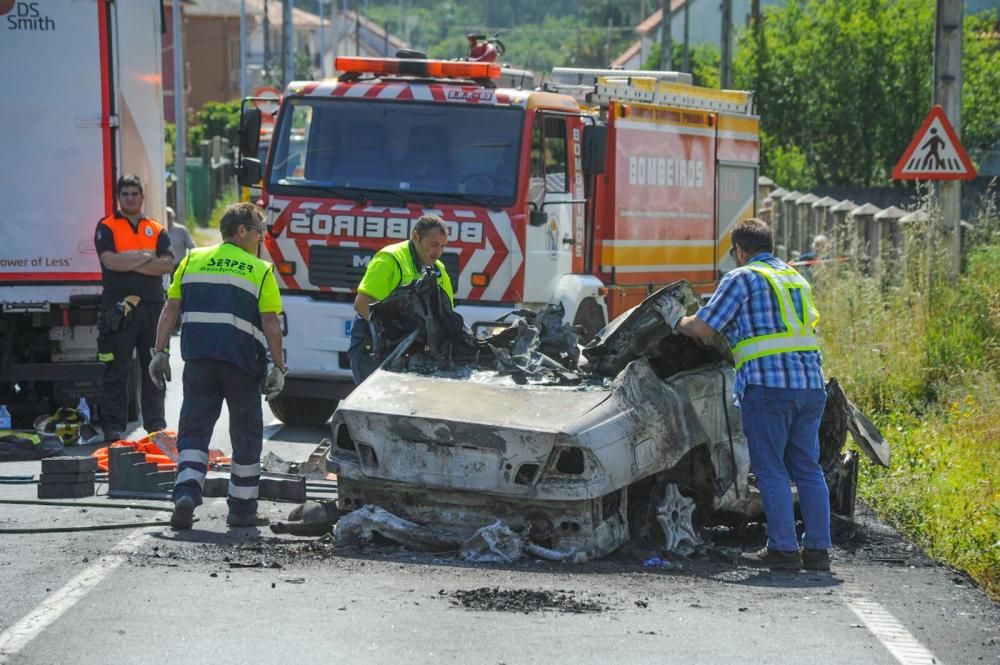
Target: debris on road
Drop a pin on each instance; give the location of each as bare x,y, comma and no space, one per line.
521,600
360,527
310,519
494,543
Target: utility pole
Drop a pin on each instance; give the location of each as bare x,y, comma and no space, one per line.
267,43
243,49
687,44
607,45
322,39
180,124
726,73
288,44
948,93
666,40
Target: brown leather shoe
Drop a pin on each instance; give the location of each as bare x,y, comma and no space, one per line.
816,559
773,559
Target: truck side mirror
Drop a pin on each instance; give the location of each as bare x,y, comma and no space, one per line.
248,173
595,148
249,131
537,217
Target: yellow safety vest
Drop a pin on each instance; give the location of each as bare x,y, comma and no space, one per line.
799,333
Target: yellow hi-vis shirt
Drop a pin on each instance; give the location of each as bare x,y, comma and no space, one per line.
394,266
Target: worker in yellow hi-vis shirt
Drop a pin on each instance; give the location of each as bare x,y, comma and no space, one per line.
394,266
229,304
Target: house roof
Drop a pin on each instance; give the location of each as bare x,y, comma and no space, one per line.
300,17
644,29
627,55
653,21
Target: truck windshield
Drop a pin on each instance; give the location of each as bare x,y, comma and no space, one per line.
465,151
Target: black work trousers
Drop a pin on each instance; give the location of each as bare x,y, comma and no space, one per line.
138,333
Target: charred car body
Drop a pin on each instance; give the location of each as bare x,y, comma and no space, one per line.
637,437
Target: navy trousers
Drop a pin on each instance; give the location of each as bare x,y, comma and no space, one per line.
360,351
206,384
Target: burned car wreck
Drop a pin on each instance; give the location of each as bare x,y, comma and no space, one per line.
575,449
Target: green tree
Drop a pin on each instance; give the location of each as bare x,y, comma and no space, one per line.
215,119
841,85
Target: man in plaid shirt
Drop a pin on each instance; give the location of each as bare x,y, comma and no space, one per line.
765,310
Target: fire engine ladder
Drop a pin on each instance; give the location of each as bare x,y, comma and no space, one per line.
656,88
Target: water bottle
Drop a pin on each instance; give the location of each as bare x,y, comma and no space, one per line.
4,417
84,409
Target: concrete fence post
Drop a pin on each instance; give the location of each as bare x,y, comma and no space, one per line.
824,220
790,214
866,238
841,229
807,221
889,236
778,221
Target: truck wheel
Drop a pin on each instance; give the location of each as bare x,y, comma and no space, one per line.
302,410
589,317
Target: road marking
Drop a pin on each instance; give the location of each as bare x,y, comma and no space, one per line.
899,642
15,638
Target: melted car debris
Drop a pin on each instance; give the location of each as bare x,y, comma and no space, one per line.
524,442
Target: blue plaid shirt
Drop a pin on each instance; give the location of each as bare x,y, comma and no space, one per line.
746,306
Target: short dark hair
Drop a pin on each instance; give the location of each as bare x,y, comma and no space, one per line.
753,236
428,222
127,180
239,214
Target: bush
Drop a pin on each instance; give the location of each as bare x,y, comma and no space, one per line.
215,119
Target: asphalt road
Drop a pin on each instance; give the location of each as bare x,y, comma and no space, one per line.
246,596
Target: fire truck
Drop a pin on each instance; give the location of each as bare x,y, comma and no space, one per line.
590,191
82,104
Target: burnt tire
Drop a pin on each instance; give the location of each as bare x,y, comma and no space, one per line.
302,410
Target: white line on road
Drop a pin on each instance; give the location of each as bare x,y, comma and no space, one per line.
31,625
903,646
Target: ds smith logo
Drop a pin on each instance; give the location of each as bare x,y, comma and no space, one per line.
25,16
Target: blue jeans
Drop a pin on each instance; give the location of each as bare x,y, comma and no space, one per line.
782,430
360,351
206,384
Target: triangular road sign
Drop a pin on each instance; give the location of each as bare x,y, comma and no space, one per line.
935,153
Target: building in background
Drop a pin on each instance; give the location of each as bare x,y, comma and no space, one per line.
212,46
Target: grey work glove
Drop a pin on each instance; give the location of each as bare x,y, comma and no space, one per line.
274,383
159,368
671,310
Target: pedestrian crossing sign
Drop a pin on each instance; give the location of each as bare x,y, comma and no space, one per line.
935,153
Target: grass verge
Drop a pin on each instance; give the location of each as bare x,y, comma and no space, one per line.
922,356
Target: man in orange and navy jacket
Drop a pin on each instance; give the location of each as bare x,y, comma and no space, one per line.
135,254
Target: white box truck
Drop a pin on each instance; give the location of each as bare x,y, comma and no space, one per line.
82,103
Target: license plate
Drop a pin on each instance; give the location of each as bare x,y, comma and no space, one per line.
347,327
